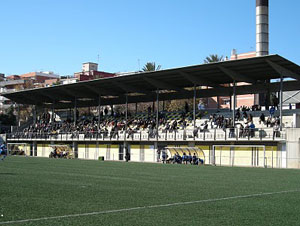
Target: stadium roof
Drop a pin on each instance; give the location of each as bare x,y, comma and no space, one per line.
142,87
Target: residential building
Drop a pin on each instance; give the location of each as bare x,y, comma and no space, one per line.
10,84
39,77
90,72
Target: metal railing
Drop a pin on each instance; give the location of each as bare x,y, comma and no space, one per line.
177,135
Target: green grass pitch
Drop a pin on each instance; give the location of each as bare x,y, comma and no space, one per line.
32,188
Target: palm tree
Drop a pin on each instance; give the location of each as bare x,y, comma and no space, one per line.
151,66
213,58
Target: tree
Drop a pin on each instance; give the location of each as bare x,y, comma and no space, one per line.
213,58
56,83
9,118
151,66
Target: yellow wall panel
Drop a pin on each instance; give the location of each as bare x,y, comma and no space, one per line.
102,150
114,152
135,153
81,151
92,151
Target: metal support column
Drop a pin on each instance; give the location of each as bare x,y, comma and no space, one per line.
230,100
281,100
99,111
34,114
126,117
75,111
157,113
153,107
112,110
34,148
52,113
194,107
18,120
136,108
234,104
75,149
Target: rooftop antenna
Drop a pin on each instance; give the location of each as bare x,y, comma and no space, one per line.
98,57
139,64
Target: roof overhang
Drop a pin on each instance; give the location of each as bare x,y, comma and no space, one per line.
253,71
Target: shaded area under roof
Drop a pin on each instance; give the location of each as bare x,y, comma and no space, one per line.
255,71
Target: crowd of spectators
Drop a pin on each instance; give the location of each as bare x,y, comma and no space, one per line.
111,124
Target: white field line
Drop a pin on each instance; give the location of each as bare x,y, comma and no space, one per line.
146,207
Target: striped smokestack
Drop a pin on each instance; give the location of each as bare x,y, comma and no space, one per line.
262,27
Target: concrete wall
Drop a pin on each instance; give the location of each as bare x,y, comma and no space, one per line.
109,151
93,152
293,148
114,152
102,151
81,151
88,151
285,155
149,153
43,150
242,156
206,150
135,153
296,120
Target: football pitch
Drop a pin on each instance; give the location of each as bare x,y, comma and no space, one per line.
40,191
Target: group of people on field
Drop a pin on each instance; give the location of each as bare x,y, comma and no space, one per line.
58,153
184,159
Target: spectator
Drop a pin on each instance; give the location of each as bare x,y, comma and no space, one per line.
272,111
158,155
164,156
186,107
106,111
275,101
262,118
201,106
190,158
184,158
238,114
276,132
252,127
149,110
127,155
195,131
195,159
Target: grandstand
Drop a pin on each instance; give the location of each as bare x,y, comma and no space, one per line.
271,143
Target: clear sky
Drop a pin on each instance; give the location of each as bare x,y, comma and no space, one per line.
59,35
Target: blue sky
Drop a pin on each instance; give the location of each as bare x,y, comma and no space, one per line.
59,35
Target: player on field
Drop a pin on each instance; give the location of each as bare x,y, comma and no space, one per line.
3,152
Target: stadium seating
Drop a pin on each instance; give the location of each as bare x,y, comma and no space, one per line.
209,125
